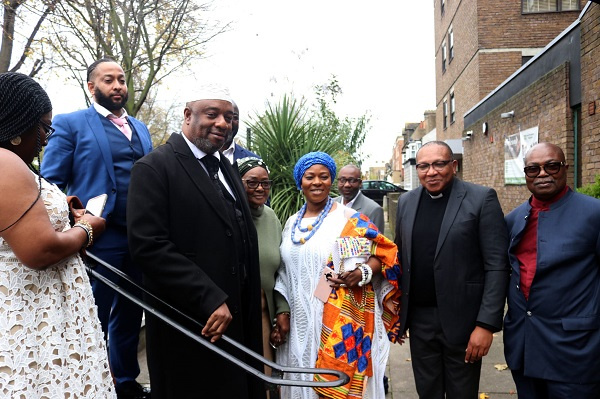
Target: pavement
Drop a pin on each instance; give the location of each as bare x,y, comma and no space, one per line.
495,383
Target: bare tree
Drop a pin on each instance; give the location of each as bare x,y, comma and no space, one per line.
151,39
27,16
162,120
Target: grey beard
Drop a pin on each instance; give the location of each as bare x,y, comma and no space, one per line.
205,145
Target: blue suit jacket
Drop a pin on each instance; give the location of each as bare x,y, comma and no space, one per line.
555,335
78,156
241,152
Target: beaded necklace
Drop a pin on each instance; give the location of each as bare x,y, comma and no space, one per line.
311,228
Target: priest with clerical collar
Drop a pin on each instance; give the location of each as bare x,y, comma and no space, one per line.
453,240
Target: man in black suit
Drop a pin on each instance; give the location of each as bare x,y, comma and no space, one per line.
453,241
231,150
191,232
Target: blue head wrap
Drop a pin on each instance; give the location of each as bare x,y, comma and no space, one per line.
310,159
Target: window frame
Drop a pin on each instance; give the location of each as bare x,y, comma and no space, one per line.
444,57
445,114
452,108
557,4
450,44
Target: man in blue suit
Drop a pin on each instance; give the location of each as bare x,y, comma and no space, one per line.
552,327
230,149
91,153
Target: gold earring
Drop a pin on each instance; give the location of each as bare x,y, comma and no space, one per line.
15,140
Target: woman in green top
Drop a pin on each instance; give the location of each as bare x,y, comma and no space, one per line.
255,176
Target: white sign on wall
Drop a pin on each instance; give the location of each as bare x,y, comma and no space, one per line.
515,148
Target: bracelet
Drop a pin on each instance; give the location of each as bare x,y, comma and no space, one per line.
275,319
367,274
87,227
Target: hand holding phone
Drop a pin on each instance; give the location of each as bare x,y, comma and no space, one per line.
95,205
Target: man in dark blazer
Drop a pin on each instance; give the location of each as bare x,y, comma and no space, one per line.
552,327
349,182
91,153
452,238
231,150
191,231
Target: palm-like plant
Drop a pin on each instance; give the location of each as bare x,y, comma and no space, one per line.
281,136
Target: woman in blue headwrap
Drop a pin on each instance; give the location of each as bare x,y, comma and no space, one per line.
340,278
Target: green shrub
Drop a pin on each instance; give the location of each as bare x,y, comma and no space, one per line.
592,189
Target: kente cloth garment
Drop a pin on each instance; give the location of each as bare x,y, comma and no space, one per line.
349,314
298,276
51,343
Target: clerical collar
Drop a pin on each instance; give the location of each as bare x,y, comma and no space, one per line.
441,194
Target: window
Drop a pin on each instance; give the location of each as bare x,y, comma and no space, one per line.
525,59
450,44
532,6
452,108
445,110
443,2
444,57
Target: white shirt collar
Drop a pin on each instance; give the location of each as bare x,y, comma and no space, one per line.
228,153
198,153
350,203
104,112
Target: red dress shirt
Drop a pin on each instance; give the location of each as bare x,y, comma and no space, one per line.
526,251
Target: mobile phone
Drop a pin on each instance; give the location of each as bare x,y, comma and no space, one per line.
95,205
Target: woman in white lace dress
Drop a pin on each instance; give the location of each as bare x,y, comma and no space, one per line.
340,278
51,343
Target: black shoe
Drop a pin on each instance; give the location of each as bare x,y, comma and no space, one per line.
386,385
132,390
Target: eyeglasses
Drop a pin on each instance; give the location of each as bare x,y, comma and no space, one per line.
551,168
437,165
47,129
351,180
253,184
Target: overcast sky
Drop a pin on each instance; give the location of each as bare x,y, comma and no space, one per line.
382,53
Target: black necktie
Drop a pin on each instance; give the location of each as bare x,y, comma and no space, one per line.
212,166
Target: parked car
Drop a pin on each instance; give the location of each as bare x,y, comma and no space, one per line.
377,189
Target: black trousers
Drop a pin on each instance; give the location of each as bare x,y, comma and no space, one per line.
439,366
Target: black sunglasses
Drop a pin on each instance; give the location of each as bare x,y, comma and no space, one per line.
47,129
551,168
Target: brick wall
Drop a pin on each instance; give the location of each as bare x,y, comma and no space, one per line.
590,93
480,25
545,104
501,25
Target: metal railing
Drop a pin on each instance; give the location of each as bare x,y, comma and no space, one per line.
341,378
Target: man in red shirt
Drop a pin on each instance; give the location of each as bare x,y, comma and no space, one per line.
552,327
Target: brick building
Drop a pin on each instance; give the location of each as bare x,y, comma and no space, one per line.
480,43
555,97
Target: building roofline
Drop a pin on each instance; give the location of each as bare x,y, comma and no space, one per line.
554,41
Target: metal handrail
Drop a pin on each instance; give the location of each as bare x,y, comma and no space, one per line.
342,378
